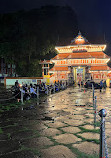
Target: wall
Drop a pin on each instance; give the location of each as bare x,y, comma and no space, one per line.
10,81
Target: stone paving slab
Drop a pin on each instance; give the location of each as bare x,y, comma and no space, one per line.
3,137
27,122
90,112
89,120
58,151
108,132
56,124
7,123
87,147
37,143
12,129
54,156
77,112
89,115
37,127
89,135
76,117
9,146
52,114
50,132
108,125
108,141
108,119
21,135
90,127
73,122
20,154
66,138
61,118
71,129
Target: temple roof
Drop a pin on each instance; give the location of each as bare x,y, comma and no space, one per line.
61,56
81,55
93,68
100,68
57,68
79,39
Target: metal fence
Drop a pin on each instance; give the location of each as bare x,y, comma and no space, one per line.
103,152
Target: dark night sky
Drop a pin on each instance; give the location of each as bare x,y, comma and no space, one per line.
94,16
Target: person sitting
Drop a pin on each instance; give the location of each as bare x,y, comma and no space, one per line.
16,84
26,95
32,91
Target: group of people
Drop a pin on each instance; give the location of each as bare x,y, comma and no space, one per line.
88,84
30,91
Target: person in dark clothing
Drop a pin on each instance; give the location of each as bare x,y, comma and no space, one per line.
104,84
101,85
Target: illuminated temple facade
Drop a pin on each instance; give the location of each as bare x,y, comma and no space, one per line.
80,61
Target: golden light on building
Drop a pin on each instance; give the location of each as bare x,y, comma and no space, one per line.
80,59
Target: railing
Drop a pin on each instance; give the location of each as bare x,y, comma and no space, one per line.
48,91
103,144
103,152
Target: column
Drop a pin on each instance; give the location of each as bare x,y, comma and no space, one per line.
43,70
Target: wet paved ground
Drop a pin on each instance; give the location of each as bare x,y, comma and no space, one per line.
62,126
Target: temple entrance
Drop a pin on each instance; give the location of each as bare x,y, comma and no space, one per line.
79,74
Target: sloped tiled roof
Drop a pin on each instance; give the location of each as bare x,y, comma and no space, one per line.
99,55
61,56
100,68
80,55
59,69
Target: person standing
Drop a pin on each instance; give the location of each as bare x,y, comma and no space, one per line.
104,84
101,85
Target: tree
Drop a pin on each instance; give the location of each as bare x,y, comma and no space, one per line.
28,36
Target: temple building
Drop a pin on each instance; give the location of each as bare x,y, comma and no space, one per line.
80,61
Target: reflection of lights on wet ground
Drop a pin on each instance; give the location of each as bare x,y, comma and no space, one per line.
67,106
50,99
